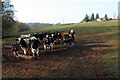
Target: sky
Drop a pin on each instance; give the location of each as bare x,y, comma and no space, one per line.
62,11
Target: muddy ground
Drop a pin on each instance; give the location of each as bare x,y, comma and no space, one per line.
80,61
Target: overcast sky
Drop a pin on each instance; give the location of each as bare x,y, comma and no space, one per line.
62,11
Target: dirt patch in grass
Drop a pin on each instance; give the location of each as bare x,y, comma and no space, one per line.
80,61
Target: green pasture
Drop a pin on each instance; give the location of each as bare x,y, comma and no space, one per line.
106,32
81,29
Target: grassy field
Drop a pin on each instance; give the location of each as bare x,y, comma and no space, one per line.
101,36
82,29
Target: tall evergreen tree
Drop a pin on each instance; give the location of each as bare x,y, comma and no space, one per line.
106,17
86,19
92,17
97,16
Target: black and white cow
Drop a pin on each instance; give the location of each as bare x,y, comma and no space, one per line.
48,42
71,34
58,37
34,46
52,37
26,44
39,36
66,39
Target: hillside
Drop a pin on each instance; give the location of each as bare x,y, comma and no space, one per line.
38,25
94,55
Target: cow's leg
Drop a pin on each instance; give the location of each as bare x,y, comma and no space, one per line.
51,45
65,44
37,52
72,43
33,52
24,50
15,53
45,48
73,40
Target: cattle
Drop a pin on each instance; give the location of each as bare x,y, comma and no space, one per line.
63,34
15,48
26,44
58,37
48,42
72,32
39,36
34,45
46,39
52,37
68,38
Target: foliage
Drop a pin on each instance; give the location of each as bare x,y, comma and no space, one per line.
38,25
106,17
81,29
92,17
86,19
21,26
7,18
97,16
9,25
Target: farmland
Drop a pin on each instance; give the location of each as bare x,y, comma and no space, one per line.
94,55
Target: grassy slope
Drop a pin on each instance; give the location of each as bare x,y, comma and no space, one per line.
81,29
106,32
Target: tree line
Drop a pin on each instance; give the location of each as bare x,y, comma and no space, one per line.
38,25
9,24
93,18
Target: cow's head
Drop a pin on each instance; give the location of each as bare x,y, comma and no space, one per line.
70,35
18,40
71,31
52,35
47,36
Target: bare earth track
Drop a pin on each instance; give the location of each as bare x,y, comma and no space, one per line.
80,61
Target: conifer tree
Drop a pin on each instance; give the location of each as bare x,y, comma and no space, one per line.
86,19
97,16
106,17
92,17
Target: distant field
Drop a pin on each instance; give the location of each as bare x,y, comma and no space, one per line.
82,29
101,37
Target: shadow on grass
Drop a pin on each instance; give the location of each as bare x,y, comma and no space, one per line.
91,46
80,49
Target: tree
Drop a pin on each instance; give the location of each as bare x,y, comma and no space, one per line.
9,25
92,17
7,17
86,19
23,27
97,16
106,17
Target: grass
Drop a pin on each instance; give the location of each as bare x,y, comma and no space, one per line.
81,29
106,31
110,61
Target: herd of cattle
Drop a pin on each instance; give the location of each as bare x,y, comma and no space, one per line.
46,39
